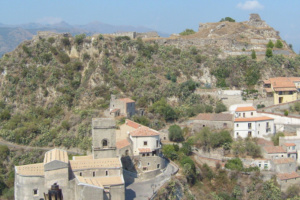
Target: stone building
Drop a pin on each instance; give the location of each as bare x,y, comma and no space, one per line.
284,165
124,106
213,121
287,179
274,152
98,176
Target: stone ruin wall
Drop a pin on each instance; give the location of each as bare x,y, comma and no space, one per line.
134,35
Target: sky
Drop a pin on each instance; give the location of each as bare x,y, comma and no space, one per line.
168,16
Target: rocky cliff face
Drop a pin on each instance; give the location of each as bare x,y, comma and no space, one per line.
233,38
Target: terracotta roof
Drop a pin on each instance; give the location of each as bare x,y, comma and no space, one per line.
144,150
56,154
144,132
274,149
132,124
253,119
214,117
289,144
31,170
122,143
286,176
283,82
114,110
267,82
95,163
263,142
127,100
101,181
248,108
284,160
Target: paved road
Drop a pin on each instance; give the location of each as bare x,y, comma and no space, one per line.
141,189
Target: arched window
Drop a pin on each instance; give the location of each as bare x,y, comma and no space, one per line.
104,143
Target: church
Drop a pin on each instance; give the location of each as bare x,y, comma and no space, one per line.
97,176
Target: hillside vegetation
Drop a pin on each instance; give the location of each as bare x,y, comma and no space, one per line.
52,85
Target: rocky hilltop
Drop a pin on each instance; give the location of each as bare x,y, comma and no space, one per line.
233,38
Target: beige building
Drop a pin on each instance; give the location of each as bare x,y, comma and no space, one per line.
213,121
282,89
98,176
274,152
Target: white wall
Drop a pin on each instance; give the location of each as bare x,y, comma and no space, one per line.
246,113
280,120
258,129
138,142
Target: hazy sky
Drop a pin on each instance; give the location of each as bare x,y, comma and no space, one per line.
169,16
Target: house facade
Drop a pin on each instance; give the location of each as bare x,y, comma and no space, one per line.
93,177
282,89
248,123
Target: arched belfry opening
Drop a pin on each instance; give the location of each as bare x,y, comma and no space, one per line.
105,143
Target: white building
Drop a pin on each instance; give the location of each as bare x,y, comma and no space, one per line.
145,141
248,123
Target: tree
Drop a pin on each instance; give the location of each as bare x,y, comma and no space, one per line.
269,53
169,151
234,164
270,44
229,19
270,191
175,133
187,32
253,54
275,138
220,107
278,44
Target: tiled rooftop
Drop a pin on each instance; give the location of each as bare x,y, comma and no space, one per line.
253,119
144,132
56,154
214,117
263,142
122,143
101,181
95,163
274,149
284,160
283,83
289,144
31,170
286,176
132,124
247,108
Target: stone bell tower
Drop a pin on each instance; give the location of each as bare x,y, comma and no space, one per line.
104,138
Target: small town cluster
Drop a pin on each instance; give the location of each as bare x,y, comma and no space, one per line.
100,175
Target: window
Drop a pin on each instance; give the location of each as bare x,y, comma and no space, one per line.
143,155
244,114
237,133
104,143
225,125
106,173
259,165
157,143
203,125
80,173
290,92
158,165
237,125
145,143
280,93
258,132
251,113
281,155
94,174
249,125
35,191
148,164
148,154
267,124
249,134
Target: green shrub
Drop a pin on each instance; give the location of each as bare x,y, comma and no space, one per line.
65,41
220,107
275,138
234,164
169,152
269,53
175,133
79,39
63,57
187,32
278,44
270,44
229,19
253,54
51,40
286,113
